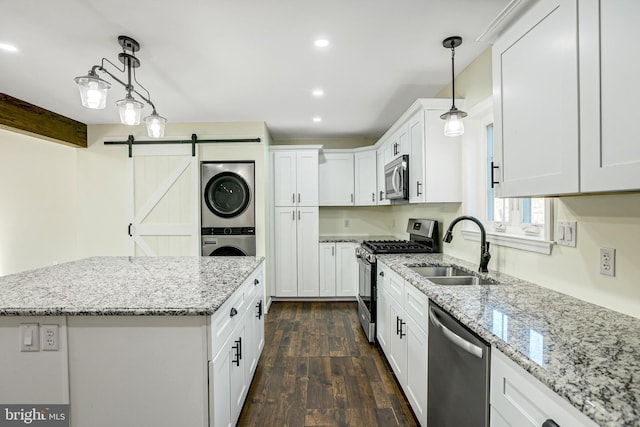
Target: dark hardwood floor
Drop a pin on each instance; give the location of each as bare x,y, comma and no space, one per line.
317,369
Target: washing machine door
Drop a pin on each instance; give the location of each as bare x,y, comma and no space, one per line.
227,251
227,194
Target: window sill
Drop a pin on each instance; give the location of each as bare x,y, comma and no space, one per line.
510,241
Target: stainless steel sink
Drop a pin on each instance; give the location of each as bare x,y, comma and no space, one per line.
439,270
455,280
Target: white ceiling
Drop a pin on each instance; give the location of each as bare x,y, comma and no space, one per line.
246,60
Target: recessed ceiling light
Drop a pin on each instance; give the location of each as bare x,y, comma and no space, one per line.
317,92
321,42
317,119
8,47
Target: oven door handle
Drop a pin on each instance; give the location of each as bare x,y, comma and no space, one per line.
455,338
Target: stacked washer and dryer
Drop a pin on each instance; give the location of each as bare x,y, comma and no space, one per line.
228,208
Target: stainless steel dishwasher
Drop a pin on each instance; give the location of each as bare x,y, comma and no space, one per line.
458,376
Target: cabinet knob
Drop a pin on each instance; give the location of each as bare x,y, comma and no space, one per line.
382,274
256,282
550,423
233,312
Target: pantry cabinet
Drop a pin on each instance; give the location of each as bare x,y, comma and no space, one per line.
519,400
338,269
295,175
336,179
296,256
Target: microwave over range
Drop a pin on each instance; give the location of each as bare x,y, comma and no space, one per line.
396,179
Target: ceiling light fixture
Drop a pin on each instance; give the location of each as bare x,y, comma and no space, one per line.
8,47
317,119
318,92
93,90
322,43
453,125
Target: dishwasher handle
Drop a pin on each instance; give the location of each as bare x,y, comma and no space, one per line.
455,338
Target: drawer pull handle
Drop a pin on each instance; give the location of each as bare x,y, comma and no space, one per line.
233,312
259,307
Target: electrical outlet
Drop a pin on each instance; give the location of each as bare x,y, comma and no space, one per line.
50,337
608,261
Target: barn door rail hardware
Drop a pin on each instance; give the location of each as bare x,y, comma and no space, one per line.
193,141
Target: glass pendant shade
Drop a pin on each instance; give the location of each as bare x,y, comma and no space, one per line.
453,125
93,91
130,110
155,125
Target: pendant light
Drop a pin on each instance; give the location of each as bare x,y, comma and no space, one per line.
453,125
93,90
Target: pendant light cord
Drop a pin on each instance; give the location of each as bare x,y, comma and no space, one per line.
453,79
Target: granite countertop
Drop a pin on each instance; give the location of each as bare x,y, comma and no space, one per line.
126,286
587,354
355,238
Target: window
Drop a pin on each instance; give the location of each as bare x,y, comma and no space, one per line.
517,223
511,216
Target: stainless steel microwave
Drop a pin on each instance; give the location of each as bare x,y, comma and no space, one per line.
396,179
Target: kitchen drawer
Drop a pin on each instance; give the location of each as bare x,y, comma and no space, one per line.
225,319
520,400
416,304
395,285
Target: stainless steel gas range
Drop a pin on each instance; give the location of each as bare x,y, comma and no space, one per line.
423,238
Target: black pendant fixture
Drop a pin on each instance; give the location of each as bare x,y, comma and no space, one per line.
453,125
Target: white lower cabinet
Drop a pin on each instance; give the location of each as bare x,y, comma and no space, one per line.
233,365
338,269
520,400
402,337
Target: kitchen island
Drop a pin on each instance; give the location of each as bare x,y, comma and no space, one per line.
157,341
586,354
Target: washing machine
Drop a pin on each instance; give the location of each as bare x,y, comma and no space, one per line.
229,244
227,190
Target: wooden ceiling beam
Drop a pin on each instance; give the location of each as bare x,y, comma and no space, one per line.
31,119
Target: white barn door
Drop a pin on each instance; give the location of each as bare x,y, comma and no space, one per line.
164,201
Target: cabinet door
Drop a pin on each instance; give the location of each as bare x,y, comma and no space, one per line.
336,179
308,236
402,138
536,102
346,270
327,269
382,200
397,354
609,60
416,158
365,170
254,332
284,176
382,319
307,178
239,384
416,388
286,271
220,382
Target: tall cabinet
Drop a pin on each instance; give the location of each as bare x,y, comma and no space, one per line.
296,222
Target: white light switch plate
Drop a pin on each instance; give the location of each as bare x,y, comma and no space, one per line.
29,337
566,233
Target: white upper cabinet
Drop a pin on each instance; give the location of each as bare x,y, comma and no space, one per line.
336,179
435,173
382,199
609,64
365,178
295,177
535,84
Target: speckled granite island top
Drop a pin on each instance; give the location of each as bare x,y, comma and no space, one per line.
585,353
126,286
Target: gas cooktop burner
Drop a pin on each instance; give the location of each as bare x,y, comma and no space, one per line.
395,246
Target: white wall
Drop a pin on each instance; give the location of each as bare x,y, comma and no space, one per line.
362,220
38,203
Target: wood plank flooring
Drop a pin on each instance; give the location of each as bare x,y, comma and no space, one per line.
317,369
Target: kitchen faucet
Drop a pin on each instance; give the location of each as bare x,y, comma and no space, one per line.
485,256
